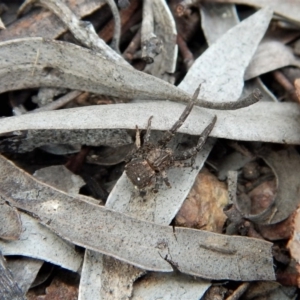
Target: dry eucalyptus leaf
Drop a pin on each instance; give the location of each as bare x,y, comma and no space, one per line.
10,223
143,244
38,62
217,19
270,56
288,9
61,178
203,207
9,288
221,67
36,241
263,121
165,30
49,139
174,286
24,270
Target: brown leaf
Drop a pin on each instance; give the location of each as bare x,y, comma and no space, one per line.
203,208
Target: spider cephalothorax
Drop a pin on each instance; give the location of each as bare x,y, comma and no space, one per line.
147,165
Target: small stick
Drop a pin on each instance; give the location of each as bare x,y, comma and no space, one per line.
188,57
133,46
58,103
239,291
286,84
151,44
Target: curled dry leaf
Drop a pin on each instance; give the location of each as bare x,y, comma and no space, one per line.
143,244
224,67
59,64
285,165
203,208
10,223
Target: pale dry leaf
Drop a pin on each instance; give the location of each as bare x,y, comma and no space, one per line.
217,19
270,56
61,178
221,67
38,62
24,270
143,244
263,121
10,223
9,288
287,9
168,287
36,241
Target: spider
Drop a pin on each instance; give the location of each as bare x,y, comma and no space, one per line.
147,165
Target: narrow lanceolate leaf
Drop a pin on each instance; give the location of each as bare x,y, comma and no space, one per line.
37,62
221,67
265,122
143,244
288,9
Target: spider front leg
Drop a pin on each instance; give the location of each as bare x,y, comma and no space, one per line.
191,153
170,133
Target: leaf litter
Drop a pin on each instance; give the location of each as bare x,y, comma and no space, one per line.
109,278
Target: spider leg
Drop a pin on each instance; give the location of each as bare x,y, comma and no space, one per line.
148,132
191,153
170,133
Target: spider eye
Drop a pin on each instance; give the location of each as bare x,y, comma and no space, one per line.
138,179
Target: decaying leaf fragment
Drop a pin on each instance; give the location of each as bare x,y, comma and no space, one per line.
143,244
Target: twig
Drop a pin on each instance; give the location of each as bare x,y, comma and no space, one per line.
286,84
133,46
239,291
254,97
151,44
58,103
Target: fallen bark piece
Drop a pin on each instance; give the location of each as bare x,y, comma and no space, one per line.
144,244
39,62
